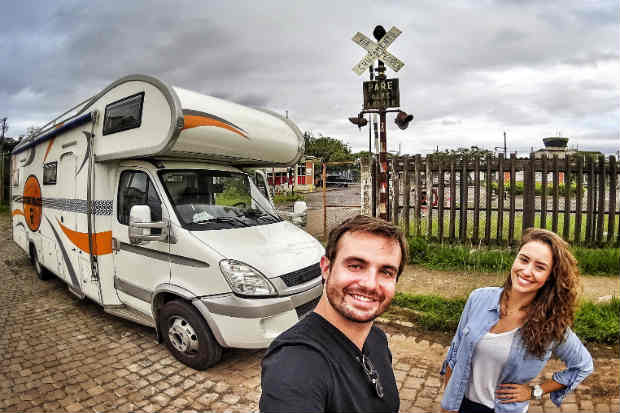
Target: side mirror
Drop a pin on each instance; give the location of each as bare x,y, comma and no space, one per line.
140,226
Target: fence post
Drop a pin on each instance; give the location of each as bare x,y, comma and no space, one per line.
611,218
373,187
500,199
567,201
531,191
323,180
578,199
601,200
407,193
429,197
418,195
395,190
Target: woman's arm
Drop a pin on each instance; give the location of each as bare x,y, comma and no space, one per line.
512,392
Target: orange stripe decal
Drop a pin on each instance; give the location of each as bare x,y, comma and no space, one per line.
193,121
102,241
18,212
49,146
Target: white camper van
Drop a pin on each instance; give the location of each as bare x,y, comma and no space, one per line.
137,198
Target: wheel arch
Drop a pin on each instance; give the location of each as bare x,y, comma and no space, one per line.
164,293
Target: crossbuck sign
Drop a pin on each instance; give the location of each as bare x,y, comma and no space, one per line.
377,51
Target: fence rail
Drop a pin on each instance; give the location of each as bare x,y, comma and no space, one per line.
492,200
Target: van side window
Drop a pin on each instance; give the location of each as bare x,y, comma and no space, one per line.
136,188
123,114
49,173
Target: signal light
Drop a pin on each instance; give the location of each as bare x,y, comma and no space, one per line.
360,121
403,119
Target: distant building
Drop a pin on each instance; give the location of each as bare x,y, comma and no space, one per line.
299,177
555,145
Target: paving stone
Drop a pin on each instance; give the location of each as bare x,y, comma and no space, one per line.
80,359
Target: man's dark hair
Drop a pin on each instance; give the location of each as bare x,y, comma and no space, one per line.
376,226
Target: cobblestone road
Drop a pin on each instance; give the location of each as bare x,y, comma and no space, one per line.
59,354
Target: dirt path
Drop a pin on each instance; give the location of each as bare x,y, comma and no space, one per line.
419,280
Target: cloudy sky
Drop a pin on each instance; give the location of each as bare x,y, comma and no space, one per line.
473,69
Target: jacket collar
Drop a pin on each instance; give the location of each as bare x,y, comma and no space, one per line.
495,305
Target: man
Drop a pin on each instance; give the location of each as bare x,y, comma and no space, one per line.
335,359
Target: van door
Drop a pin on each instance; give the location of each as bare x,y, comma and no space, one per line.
139,267
65,220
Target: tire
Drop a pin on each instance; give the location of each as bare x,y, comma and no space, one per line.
188,336
42,273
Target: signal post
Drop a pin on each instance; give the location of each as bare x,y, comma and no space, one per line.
380,95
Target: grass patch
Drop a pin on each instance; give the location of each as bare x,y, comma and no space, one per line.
605,261
505,233
286,197
432,312
598,323
4,208
600,261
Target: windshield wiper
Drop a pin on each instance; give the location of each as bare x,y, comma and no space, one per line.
225,220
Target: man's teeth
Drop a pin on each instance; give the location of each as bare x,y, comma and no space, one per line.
362,298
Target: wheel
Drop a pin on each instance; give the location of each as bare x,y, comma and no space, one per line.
188,336
42,272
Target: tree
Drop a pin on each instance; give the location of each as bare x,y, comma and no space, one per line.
462,153
326,148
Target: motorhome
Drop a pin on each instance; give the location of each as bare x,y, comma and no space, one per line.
141,199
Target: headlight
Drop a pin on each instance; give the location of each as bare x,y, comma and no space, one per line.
245,280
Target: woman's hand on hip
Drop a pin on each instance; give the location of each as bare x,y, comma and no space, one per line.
511,393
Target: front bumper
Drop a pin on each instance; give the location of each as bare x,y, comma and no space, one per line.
254,322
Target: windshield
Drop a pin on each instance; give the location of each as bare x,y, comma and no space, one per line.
205,199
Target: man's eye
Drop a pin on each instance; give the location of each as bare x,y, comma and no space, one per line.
354,266
390,274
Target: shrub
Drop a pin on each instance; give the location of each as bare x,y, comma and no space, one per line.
602,261
593,322
418,250
598,322
598,261
286,197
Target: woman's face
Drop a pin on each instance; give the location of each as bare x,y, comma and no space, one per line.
531,267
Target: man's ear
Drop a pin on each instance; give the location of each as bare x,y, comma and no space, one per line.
324,267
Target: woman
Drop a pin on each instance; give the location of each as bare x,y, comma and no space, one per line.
506,335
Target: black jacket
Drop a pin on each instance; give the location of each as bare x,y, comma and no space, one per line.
314,367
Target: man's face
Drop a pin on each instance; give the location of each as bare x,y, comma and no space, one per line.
360,283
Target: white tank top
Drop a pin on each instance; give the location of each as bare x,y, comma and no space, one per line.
490,355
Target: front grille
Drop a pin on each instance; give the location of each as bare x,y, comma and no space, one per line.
304,309
301,276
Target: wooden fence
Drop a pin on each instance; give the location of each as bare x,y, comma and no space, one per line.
493,200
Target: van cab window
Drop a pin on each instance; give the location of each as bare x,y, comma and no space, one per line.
136,188
209,199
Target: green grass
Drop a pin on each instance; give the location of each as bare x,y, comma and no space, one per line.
598,323
517,228
286,197
600,261
432,312
4,208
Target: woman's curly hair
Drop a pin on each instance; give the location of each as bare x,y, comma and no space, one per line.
553,309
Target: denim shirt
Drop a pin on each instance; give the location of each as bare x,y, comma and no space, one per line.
482,312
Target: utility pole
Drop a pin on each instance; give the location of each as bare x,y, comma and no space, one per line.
4,127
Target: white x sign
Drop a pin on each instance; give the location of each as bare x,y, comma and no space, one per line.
377,51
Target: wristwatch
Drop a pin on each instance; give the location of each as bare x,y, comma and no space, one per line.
537,392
